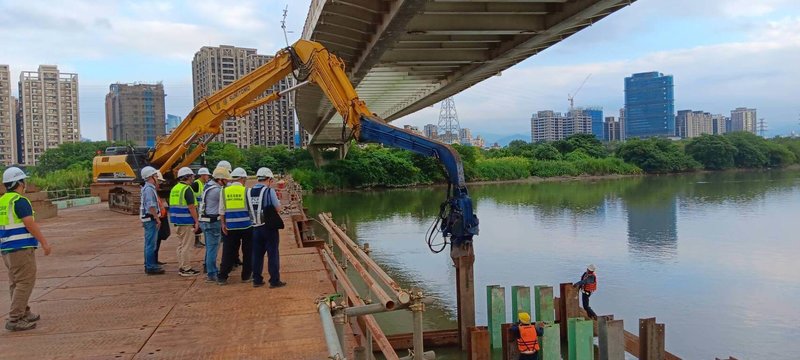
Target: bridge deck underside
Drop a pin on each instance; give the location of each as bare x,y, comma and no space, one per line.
407,55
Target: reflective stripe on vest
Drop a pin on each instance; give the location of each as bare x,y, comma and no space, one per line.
179,214
237,216
143,213
199,194
255,206
14,234
203,196
589,287
528,341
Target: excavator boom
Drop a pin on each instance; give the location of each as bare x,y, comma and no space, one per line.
312,64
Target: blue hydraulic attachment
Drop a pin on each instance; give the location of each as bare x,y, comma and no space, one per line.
458,221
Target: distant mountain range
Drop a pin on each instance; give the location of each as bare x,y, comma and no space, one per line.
504,139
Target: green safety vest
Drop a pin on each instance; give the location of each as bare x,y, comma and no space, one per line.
179,214
15,235
237,216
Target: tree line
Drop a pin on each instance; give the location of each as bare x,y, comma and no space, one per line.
369,165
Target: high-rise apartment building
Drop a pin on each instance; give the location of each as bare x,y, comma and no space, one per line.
622,135
272,124
720,123
548,125
431,131
465,136
649,105
50,117
479,142
689,124
8,119
172,122
135,112
744,119
611,129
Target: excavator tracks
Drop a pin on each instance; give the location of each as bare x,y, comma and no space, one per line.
125,199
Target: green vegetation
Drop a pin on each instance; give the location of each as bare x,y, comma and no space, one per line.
369,166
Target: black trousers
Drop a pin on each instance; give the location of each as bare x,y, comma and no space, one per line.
585,299
266,241
230,251
534,356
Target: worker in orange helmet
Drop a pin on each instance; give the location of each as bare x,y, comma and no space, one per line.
588,285
527,337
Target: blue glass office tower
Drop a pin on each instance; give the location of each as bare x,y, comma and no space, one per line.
596,113
649,105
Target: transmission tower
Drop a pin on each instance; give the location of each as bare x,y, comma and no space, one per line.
449,129
762,127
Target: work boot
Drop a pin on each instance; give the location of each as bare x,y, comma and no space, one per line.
20,325
31,317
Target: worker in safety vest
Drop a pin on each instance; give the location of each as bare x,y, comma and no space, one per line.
210,221
19,238
183,216
588,285
527,337
237,227
265,211
150,214
203,175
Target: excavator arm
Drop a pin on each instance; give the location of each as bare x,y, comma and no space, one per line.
312,63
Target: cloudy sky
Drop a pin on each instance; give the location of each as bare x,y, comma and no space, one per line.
722,53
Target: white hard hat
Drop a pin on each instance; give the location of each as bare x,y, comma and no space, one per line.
203,171
591,267
225,164
184,171
264,173
148,171
239,173
13,174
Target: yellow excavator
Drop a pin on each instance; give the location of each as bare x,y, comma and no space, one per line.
311,64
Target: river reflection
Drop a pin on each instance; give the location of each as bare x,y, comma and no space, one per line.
711,255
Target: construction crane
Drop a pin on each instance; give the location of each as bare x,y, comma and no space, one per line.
311,63
571,98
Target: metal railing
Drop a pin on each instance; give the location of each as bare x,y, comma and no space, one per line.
383,294
67,194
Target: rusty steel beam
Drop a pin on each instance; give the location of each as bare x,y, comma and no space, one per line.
367,322
431,338
479,348
632,346
399,294
378,290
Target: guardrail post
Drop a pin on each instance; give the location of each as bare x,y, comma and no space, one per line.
545,311
496,313
520,301
581,339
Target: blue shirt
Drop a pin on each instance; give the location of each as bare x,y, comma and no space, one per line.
270,196
149,197
23,209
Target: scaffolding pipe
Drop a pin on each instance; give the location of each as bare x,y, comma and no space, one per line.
364,310
328,327
372,328
380,293
339,320
401,295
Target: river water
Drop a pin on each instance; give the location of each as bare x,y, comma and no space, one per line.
713,256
